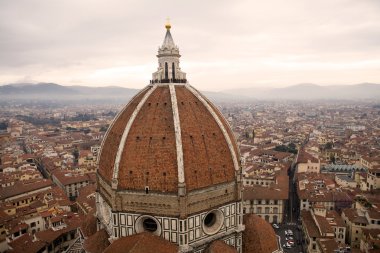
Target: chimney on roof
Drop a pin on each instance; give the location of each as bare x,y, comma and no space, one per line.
320,210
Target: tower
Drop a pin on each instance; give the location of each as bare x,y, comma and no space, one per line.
168,62
169,165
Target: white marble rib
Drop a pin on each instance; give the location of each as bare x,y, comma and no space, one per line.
126,131
115,119
177,131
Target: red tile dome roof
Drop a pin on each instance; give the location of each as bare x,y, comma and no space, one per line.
220,246
142,243
258,236
166,135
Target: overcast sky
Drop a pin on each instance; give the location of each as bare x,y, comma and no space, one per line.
224,44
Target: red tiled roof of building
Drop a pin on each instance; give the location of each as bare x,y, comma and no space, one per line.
327,245
89,225
56,219
21,187
219,246
72,223
304,157
278,191
374,213
25,243
373,232
271,153
68,177
324,225
337,219
86,198
258,236
97,242
309,224
350,213
142,243
19,227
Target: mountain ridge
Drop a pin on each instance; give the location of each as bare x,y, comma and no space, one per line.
306,91
302,91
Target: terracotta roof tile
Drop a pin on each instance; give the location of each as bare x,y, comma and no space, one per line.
207,158
142,243
21,187
309,224
25,243
97,242
304,157
258,236
149,157
114,133
327,245
220,246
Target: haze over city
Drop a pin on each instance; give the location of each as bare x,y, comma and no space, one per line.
233,126
224,44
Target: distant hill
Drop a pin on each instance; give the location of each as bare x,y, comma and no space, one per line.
309,91
52,91
21,89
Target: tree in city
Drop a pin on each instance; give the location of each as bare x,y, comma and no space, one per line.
332,158
76,155
329,145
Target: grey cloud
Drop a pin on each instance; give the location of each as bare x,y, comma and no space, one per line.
79,37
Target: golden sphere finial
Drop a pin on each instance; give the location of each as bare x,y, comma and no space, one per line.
167,25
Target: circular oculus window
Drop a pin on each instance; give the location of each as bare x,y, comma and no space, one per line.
212,222
147,223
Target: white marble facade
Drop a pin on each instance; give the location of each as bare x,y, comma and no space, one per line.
192,234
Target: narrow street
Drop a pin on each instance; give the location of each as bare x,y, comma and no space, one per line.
291,219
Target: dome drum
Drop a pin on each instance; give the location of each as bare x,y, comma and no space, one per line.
168,204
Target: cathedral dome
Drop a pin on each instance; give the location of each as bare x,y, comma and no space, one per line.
168,135
169,165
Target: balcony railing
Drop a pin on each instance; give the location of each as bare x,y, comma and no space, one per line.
168,81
